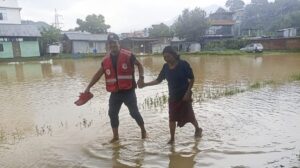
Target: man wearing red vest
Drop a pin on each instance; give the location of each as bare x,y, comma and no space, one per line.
118,68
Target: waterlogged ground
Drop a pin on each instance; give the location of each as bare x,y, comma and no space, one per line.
249,108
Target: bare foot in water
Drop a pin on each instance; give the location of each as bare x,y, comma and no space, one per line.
198,132
171,141
114,139
144,134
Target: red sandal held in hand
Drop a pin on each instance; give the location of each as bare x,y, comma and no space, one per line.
83,98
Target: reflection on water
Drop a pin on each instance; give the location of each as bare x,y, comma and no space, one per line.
183,159
41,127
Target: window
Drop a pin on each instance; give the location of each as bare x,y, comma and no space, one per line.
3,15
3,39
1,48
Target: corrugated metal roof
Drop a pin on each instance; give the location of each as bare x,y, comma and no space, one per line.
19,30
140,39
86,37
222,22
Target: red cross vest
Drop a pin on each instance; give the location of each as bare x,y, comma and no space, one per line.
123,78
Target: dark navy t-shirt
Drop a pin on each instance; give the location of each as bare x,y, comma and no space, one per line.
177,79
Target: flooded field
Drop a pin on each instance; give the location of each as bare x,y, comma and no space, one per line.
248,107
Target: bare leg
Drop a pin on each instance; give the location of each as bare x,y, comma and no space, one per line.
115,134
172,126
198,130
143,131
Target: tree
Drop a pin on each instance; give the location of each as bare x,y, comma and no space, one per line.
93,23
160,30
220,10
290,20
234,5
191,25
49,35
270,17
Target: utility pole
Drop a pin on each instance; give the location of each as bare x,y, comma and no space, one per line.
57,23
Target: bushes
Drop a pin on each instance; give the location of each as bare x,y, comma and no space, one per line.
226,44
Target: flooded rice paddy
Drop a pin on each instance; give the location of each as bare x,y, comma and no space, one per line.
248,107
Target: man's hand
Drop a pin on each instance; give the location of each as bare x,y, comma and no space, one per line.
87,90
141,83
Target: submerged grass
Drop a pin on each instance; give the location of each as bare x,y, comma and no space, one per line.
16,136
160,101
2,135
256,85
295,77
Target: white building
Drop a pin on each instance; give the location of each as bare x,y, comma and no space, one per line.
289,32
16,39
10,12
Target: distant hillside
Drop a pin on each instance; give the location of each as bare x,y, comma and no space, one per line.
39,24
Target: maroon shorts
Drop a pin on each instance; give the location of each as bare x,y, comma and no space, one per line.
181,111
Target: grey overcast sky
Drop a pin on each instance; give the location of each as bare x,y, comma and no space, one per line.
121,15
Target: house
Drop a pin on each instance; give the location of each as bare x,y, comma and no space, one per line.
83,43
19,41
10,12
194,47
139,33
16,39
289,32
221,24
138,45
252,32
160,44
237,17
179,44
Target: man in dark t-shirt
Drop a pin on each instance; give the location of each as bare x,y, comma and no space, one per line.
180,79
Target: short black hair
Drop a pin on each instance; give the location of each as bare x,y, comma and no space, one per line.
170,50
112,37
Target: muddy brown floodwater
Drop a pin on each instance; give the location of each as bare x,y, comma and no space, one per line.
248,107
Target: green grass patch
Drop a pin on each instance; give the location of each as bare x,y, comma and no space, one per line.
269,82
2,135
296,77
256,85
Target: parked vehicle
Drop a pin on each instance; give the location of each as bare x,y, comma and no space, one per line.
253,47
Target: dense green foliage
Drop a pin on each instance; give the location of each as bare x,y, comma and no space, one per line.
93,23
160,30
271,16
50,35
234,5
191,25
226,44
